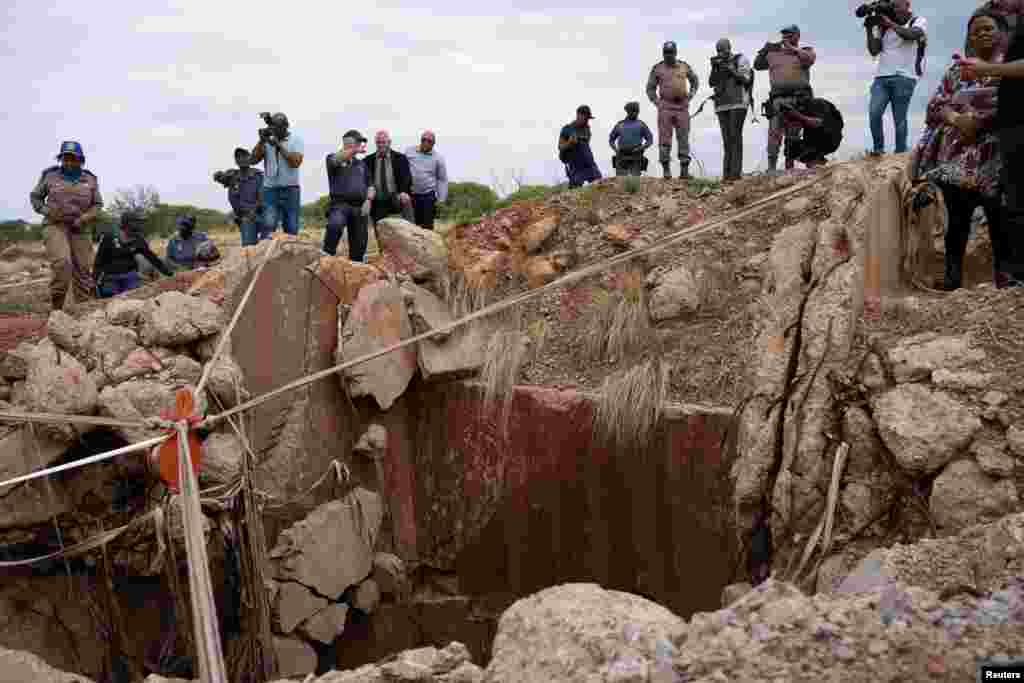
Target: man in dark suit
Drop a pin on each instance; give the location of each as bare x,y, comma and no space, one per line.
390,175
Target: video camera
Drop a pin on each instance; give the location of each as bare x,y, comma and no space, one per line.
270,132
226,178
871,12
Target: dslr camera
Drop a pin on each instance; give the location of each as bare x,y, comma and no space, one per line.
871,12
269,133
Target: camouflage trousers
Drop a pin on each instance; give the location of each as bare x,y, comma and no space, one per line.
674,117
70,256
779,131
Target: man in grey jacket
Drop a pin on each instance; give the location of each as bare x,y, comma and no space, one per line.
733,81
429,180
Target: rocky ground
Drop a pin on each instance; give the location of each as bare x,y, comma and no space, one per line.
887,454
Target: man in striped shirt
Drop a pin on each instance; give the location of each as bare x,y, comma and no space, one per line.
429,180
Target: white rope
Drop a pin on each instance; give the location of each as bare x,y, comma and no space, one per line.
100,457
225,336
204,610
581,274
24,284
55,418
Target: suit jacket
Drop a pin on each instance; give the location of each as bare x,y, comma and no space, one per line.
400,166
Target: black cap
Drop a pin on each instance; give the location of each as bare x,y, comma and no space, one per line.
669,46
241,150
585,110
354,134
792,28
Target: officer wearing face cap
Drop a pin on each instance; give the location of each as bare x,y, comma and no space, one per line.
630,139
574,149
68,196
245,194
670,87
351,192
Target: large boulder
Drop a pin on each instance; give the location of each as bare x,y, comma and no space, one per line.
332,548
964,495
421,253
917,357
124,311
378,319
327,624
923,429
177,319
680,291
222,459
584,632
227,382
57,383
138,400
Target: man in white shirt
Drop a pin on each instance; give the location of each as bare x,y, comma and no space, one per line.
281,151
898,43
429,180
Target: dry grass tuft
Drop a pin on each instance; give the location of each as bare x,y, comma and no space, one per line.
503,359
620,325
463,297
629,406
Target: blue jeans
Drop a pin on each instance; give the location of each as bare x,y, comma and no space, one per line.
253,230
114,284
283,205
897,91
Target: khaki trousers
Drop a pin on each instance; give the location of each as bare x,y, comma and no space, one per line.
70,257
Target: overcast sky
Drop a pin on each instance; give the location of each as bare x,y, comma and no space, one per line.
161,93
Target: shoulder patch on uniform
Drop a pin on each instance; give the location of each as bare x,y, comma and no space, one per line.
86,171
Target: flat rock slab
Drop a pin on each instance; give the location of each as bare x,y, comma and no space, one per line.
345,277
964,495
327,624
57,382
917,357
332,548
450,355
378,319
294,657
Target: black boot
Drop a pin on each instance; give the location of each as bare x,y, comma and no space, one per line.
951,279
666,171
684,170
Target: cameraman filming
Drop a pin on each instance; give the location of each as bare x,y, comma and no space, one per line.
245,194
733,81
897,38
789,73
281,197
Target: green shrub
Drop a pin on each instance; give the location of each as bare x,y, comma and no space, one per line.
529,193
467,202
17,231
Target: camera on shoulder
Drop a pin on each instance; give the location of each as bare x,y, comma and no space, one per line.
269,133
872,12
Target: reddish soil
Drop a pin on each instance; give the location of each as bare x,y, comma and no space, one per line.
15,329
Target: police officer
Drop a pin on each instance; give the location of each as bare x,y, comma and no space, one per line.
670,87
630,139
574,149
68,196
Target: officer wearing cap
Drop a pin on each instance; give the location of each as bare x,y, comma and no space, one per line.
789,73
282,154
245,194
574,149
629,140
351,195
670,87
68,196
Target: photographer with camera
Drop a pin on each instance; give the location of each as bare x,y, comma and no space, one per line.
629,140
733,81
245,194
352,194
282,199
897,38
789,73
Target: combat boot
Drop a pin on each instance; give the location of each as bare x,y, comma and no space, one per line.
773,165
666,172
684,171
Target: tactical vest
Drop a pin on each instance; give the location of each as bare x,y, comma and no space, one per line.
71,198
